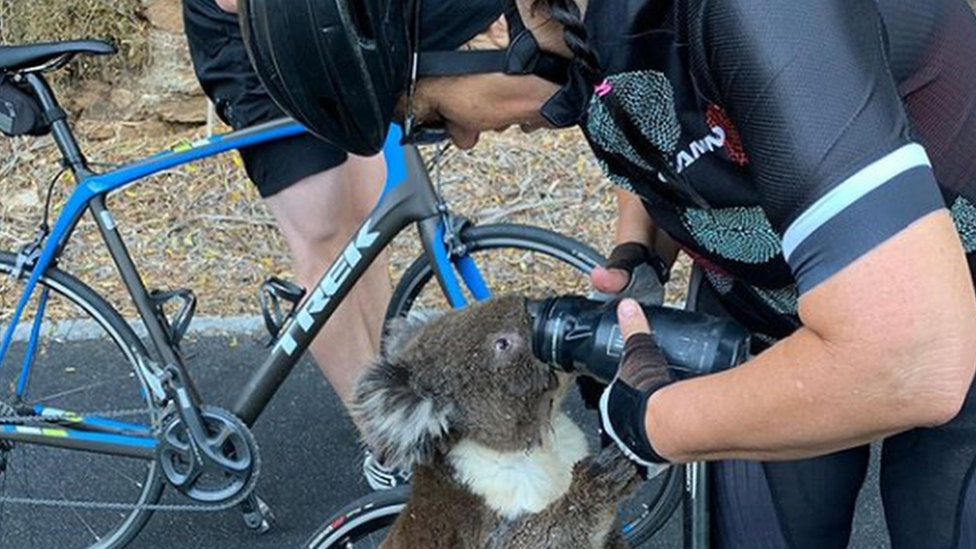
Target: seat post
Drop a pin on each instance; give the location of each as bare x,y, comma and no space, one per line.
58,120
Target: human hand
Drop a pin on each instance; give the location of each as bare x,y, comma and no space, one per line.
632,270
643,371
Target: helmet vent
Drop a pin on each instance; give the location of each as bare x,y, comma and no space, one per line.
363,22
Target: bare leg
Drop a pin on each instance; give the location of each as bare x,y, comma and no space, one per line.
317,216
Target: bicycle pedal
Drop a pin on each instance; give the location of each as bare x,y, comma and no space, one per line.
177,325
273,292
257,515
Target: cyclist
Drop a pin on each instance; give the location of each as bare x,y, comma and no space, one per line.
816,160
317,193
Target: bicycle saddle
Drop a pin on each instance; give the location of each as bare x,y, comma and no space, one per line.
26,56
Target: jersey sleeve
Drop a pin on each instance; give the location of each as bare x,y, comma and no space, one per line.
808,86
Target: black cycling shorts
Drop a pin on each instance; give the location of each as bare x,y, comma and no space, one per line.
225,74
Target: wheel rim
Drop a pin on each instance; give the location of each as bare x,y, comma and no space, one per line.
95,373
365,526
530,268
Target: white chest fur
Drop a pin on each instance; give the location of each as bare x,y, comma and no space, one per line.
514,483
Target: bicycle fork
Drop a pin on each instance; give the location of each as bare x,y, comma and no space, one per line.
697,517
696,507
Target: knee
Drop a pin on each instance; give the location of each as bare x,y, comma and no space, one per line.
369,177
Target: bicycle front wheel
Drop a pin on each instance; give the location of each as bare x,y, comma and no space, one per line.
538,263
87,363
363,524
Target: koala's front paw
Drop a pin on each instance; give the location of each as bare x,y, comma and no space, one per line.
605,478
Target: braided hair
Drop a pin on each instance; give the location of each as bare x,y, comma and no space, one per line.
575,35
567,14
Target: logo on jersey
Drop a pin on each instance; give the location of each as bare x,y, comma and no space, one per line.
716,116
699,148
724,136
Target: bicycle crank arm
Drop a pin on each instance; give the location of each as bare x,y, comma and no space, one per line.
205,452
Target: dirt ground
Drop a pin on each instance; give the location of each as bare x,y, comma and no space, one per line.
204,227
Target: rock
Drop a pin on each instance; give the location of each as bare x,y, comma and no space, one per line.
164,92
183,109
165,15
171,69
147,128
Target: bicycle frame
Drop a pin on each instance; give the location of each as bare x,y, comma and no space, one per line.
408,197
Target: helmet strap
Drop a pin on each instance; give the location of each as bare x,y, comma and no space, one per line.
523,56
410,119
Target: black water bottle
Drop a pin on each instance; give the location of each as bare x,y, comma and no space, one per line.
580,335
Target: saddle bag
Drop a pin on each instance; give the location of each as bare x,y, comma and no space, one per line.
20,113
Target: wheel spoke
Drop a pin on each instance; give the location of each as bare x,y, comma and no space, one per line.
78,516
94,377
46,399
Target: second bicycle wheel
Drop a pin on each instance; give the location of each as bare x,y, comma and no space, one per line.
87,362
362,524
538,263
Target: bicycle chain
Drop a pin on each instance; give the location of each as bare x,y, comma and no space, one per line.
167,507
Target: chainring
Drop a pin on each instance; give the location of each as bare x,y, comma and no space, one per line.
229,438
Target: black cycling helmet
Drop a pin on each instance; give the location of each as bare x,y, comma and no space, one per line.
339,66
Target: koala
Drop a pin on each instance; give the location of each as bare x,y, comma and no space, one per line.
463,402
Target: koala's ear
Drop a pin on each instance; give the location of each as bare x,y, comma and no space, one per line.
399,331
401,425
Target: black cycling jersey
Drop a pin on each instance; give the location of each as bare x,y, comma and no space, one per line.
777,141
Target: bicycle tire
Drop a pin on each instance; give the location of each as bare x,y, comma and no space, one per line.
488,237
361,524
39,526
654,512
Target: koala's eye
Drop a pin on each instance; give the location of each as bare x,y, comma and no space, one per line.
503,344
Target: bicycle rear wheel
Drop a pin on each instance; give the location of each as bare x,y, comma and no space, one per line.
538,263
87,364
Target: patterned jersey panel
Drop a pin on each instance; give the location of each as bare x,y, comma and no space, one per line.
758,129
809,87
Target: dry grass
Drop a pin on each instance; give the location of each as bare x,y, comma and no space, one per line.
204,227
116,20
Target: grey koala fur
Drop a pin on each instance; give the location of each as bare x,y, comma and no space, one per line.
454,397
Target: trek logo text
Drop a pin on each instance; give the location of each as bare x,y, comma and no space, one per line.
330,285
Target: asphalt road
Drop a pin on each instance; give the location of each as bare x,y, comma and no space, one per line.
311,459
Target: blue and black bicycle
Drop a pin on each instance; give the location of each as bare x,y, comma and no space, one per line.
86,451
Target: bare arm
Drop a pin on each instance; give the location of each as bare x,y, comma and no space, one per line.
228,5
888,344
635,225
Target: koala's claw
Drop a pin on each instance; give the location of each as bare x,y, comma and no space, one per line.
607,476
